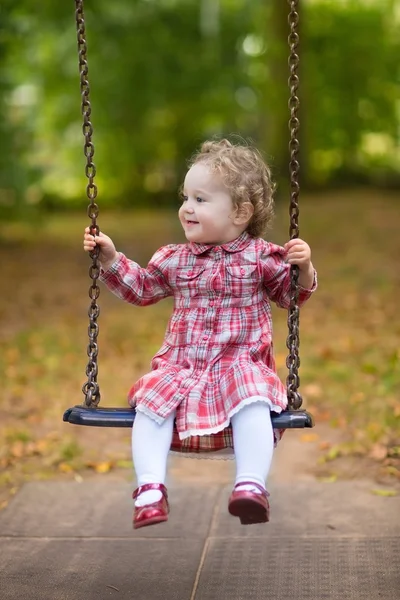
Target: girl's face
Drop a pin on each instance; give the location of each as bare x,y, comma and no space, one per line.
207,213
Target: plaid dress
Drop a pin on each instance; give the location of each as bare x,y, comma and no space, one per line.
217,351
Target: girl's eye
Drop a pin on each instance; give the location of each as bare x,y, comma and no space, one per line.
199,199
184,198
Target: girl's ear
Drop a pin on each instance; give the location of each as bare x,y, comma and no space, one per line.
244,212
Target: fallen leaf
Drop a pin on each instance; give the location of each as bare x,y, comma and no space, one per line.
323,416
324,445
65,468
334,453
103,467
309,437
42,447
326,352
328,479
385,493
390,470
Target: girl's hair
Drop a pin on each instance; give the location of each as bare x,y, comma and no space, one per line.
246,176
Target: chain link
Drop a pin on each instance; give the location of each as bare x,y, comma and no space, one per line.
90,388
293,339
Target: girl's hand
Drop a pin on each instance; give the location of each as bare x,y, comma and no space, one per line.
107,254
298,253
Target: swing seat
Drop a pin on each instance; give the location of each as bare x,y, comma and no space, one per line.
124,417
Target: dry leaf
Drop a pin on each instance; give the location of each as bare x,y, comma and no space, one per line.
42,447
394,451
326,352
329,479
390,470
385,493
323,415
103,467
324,445
65,468
309,437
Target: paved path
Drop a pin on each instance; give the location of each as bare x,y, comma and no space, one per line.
72,541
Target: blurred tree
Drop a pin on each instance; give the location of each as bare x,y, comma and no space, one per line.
275,91
352,86
165,74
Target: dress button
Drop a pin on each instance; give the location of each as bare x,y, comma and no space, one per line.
242,271
190,273
211,303
205,337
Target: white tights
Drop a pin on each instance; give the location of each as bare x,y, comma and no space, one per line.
253,440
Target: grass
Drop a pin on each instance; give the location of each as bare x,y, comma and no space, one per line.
350,331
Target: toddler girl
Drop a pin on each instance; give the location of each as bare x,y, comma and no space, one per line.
213,382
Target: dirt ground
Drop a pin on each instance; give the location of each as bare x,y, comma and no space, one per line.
300,456
349,347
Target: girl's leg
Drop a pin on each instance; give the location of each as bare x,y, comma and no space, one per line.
150,446
253,439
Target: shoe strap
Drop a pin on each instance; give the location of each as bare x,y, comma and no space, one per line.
150,486
256,485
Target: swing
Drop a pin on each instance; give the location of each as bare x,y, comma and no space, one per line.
89,413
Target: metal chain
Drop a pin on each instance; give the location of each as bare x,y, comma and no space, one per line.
91,388
293,339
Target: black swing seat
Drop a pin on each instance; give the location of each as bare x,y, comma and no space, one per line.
124,417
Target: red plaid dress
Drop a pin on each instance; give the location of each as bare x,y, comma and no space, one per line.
217,351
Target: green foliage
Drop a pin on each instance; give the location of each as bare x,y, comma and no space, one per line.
352,86
165,74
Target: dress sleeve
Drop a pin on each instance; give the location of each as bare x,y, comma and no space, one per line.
138,285
276,277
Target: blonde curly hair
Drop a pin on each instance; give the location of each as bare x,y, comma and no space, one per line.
246,176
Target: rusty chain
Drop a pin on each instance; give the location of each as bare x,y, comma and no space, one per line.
293,339
90,388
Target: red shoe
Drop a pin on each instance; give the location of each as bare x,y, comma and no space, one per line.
150,514
250,507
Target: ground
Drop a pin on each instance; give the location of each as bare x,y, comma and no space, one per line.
350,357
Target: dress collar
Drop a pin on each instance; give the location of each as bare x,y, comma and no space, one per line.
240,243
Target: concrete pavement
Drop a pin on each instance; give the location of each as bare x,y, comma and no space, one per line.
73,541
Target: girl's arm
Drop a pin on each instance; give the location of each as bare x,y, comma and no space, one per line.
125,278
137,285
